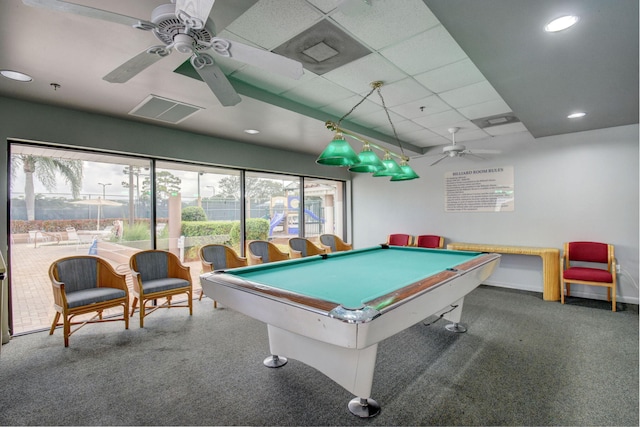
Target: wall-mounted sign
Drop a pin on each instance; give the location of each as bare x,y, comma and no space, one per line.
479,190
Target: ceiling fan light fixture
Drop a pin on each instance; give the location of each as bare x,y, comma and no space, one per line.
561,23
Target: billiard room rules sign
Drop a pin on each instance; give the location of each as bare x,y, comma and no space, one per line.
479,190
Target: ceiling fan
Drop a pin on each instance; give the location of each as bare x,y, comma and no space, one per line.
184,26
457,150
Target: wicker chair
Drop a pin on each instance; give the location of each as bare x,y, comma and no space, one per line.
333,243
300,247
219,257
159,274
86,284
261,252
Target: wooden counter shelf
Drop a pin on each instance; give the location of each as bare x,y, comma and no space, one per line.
550,262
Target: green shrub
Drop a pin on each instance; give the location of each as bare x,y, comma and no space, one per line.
193,213
257,229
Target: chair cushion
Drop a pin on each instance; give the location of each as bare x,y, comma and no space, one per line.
78,274
588,274
92,296
328,240
152,265
161,285
588,251
216,255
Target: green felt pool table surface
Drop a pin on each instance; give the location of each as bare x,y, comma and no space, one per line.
354,277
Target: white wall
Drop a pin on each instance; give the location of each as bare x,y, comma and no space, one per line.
581,186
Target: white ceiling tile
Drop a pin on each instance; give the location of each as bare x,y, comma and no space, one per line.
274,83
451,76
317,92
464,127
406,17
325,5
469,134
400,92
485,109
423,107
445,118
472,94
427,51
424,138
358,75
506,129
269,23
378,119
342,106
406,127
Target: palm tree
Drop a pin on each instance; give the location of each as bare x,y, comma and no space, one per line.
45,169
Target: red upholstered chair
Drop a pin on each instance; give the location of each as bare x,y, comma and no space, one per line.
400,240
584,263
429,241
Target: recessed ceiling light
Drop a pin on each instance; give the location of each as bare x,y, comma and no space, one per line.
561,23
251,131
576,115
16,75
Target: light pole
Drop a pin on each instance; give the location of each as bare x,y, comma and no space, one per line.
104,186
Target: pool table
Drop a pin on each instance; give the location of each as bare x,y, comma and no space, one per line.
330,311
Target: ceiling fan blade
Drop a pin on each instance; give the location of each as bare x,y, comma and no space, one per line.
471,153
62,6
258,57
194,13
213,76
135,65
480,151
439,160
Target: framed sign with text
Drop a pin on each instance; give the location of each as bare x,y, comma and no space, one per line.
479,190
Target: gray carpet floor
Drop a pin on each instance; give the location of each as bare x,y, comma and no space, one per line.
523,361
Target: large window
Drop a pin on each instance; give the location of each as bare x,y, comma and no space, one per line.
66,202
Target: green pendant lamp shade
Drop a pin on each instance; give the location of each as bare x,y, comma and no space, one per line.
369,161
391,167
338,153
406,174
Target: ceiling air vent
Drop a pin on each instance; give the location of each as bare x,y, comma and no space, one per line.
497,120
163,109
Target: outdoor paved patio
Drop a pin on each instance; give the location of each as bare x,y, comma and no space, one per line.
32,298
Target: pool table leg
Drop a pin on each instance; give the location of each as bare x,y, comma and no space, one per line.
453,313
275,361
364,407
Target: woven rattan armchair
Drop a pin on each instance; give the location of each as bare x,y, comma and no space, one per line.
85,284
159,274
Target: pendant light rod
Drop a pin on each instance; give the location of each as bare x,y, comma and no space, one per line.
332,126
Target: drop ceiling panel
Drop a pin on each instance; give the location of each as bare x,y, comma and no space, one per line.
358,74
485,109
422,107
317,92
271,23
451,76
426,51
406,17
445,118
469,95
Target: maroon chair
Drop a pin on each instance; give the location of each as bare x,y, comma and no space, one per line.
584,263
400,240
429,241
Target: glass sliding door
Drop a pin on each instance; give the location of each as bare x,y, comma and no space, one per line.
63,203
323,208
273,208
